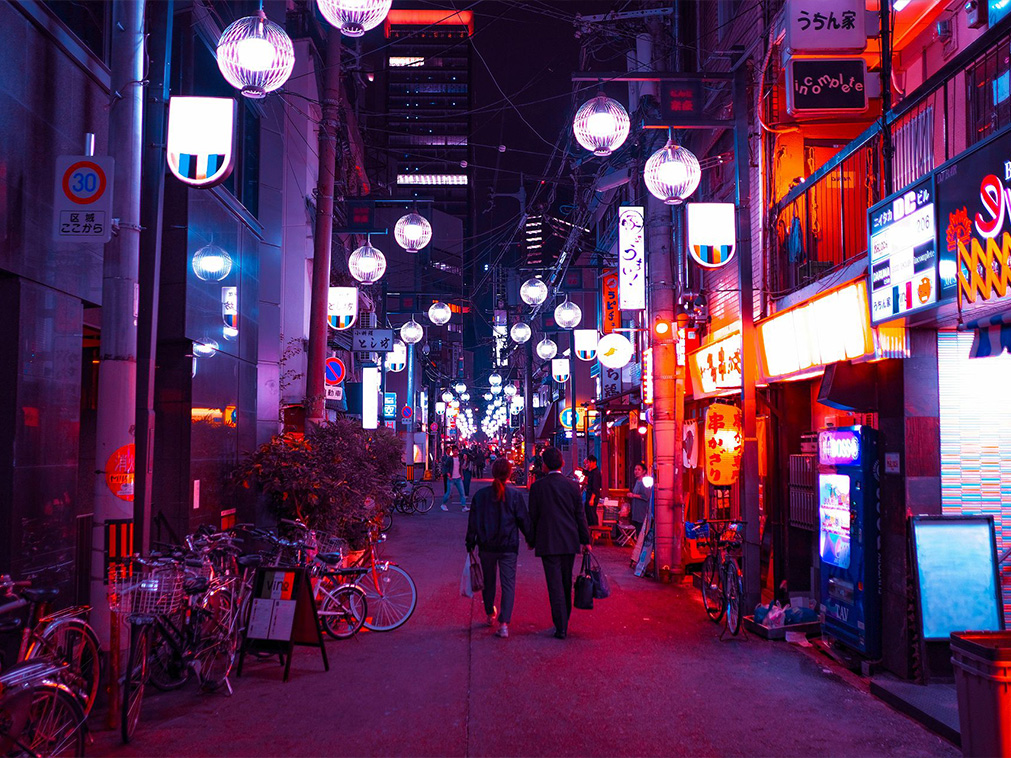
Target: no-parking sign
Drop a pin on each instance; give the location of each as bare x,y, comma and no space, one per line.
82,198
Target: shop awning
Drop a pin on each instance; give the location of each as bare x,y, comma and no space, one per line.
991,337
548,424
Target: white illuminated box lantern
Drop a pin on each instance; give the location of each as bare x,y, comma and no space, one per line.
712,233
342,307
585,343
200,139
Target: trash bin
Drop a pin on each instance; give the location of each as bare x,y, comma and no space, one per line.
982,662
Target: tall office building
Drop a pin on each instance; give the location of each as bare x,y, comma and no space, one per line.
428,103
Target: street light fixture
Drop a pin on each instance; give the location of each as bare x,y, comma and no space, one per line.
211,263
568,314
411,332
413,232
520,332
367,264
672,173
440,314
534,291
447,397
460,388
601,125
354,17
255,55
546,349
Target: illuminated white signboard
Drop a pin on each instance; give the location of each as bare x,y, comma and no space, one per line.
631,259
199,144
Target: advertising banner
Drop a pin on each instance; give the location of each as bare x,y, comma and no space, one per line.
632,258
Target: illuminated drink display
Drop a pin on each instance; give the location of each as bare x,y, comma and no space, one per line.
848,537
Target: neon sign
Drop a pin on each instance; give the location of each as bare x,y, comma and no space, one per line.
839,447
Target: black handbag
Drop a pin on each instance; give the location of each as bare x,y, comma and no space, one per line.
476,573
601,587
583,596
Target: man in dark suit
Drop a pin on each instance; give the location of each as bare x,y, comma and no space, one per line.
558,523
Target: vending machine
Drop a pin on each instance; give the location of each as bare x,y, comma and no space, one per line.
848,537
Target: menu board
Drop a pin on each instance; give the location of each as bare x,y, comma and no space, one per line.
903,254
834,519
957,575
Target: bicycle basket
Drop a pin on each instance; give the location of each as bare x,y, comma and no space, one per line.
152,593
330,543
696,531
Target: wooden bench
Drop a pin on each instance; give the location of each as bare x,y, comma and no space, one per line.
600,532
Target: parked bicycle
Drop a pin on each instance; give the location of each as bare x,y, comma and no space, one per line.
722,584
409,497
39,714
390,591
62,635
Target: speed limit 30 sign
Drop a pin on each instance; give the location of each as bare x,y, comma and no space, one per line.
82,198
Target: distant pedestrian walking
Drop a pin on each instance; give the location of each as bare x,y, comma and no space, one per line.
455,471
558,522
497,517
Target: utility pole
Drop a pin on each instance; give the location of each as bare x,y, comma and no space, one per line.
662,301
528,406
117,373
323,234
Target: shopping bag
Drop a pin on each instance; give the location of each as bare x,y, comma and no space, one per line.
476,573
583,595
465,588
601,587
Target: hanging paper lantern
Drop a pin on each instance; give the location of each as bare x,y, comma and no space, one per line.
411,332
546,349
601,125
510,390
211,263
614,350
672,173
255,55
568,315
495,379
585,344
534,291
520,332
354,17
413,232
440,314
447,397
367,264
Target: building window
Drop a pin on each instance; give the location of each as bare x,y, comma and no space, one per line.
89,21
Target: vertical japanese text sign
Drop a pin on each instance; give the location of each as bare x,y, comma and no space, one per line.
632,259
611,313
723,442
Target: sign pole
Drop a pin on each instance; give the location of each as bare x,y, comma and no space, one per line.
117,374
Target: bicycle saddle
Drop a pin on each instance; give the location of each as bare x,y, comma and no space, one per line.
39,594
194,585
331,559
249,561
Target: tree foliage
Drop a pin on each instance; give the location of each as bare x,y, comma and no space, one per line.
332,479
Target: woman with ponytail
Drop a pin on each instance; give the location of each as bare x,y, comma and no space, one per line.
498,515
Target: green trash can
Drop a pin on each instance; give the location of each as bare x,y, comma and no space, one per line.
982,662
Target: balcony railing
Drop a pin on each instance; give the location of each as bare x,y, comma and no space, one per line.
822,223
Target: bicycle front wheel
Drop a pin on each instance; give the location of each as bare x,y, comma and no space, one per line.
135,679
712,592
733,588
423,498
73,642
55,723
387,522
391,596
343,610
217,644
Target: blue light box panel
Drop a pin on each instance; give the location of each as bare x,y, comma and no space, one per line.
956,566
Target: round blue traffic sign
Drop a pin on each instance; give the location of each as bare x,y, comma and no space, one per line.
335,371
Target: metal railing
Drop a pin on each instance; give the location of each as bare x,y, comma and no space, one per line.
822,223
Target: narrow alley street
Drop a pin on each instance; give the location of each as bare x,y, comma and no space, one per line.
644,673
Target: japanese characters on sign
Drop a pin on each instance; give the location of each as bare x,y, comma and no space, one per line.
722,444
119,472
647,376
230,307
819,86
903,254
825,26
974,216
680,101
611,312
632,259
717,366
82,198
342,307
610,382
199,139
390,405
712,233
372,340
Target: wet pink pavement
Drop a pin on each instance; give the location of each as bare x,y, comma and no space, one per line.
644,673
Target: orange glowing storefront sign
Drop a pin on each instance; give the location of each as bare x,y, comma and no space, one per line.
722,444
799,342
611,318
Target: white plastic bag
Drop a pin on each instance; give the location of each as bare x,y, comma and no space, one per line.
465,588
776,616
